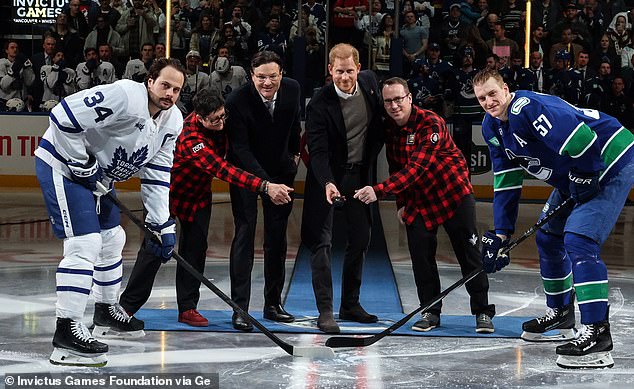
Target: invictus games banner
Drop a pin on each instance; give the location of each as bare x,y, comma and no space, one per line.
36,11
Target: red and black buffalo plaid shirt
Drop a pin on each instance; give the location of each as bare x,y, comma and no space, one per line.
198,158
428,173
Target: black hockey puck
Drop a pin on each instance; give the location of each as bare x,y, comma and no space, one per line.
338,201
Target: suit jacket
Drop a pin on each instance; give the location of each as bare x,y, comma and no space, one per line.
261,144
328,148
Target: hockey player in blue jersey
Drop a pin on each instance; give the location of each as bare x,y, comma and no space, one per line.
107,133
583,154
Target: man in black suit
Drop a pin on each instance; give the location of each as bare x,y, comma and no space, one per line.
343,130
264,132
38,60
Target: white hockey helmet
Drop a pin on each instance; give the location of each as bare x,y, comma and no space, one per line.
15,105
48,105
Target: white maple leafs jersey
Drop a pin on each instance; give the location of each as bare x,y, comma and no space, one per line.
7,77
52,91
103,74
112,123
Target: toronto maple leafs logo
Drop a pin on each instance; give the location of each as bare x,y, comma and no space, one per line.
121,168
473,240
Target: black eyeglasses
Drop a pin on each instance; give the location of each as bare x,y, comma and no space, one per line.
217,119
397,100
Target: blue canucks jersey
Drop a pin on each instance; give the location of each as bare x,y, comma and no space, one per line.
546,137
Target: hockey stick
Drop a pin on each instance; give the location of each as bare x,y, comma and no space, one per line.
348,341
312,352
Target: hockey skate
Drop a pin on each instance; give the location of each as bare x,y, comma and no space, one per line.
561,319
591,350
74,346
112,321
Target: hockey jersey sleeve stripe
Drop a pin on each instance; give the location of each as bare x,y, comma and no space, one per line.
557,285
82,272
72,289
588,292
508,179
108,283
580,140
615,147
46,145
154,182
63,128
71,117
106,268
158,167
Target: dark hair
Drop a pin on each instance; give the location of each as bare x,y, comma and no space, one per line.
207,101
89,49
8,42
160,64
146,44
264,57
396,81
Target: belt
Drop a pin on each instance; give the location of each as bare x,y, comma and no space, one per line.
351,166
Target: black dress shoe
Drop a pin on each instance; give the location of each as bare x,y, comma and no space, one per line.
277,313
356,313
326,323
240,324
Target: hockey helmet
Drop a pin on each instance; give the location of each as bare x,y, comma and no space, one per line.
48,105
222,65
15,105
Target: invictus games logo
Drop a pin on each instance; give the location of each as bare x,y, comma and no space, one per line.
36,11
121,168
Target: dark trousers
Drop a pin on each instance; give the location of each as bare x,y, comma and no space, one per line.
192,246
463,235
358,223
244,206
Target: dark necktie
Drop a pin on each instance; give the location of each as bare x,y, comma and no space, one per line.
269,106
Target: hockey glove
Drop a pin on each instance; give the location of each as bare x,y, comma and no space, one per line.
92,64
86,174
167,233
18,64
492,244
583,186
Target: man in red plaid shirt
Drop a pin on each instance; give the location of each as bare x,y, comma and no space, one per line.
430,179
198,158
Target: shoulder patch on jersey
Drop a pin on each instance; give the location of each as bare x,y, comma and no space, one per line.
198,147
520,103
494,141
434,137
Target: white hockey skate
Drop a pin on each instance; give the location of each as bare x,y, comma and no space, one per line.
74,346
556,326
590,351
112,321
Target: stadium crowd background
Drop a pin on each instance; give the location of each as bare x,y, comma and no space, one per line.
582,51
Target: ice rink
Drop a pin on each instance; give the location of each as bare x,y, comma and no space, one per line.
29,255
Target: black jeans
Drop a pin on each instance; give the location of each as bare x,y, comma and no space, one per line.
463,235
192,246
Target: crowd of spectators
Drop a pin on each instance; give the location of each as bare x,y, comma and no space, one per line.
582,51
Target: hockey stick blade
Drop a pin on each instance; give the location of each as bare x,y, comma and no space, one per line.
311,352
349,341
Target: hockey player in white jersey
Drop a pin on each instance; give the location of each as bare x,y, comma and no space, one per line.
58,81
137,68
107,133
93,71
196,80
16,74
226,77
585,155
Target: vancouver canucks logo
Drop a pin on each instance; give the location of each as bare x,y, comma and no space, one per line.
531,165
121,168
517,106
